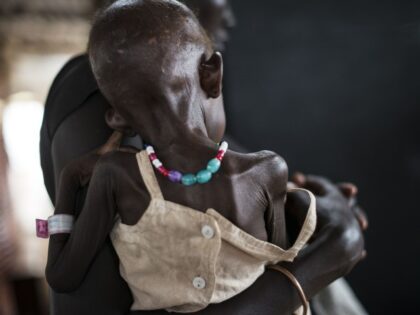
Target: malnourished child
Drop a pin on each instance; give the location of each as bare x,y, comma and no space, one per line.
192,222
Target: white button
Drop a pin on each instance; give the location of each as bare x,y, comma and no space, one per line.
207,231
199,283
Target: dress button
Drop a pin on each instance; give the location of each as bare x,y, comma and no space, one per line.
207,231
199,283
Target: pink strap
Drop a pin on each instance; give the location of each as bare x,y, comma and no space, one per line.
56,224
42,228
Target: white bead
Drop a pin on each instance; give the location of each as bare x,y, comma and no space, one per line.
150,150
199,283
207,231
224,146
157,163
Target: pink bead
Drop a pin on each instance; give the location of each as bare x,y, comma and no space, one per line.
153,156
220,155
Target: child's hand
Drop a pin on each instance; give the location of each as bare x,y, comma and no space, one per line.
81,169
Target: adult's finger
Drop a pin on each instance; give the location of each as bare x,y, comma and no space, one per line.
361,217
359,213
316,184
319,185
348,189
299,179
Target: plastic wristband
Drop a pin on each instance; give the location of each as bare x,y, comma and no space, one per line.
56,224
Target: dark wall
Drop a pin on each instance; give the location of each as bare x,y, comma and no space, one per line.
334,86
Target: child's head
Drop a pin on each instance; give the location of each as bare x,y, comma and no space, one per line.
155,65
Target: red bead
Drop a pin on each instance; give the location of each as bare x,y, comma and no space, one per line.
220,155
153,156
163,171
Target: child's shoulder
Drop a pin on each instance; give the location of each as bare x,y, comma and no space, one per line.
265,168
262,161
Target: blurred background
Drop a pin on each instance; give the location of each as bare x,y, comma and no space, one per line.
333,86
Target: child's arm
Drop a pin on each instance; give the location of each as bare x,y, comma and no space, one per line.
276,188
69,255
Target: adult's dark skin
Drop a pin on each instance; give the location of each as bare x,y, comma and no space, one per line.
216,16
206,90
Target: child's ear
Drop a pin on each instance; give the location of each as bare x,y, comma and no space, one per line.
211,75
115,121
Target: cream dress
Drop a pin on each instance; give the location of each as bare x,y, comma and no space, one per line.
181,259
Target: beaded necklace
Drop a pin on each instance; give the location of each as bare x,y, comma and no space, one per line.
202,177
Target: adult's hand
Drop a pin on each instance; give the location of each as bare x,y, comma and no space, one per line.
338,242
350,191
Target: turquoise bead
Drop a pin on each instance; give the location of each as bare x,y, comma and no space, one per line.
203,176
189,179
214,165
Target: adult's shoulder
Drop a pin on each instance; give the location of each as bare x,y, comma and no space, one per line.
71,87
73,99
74,63
78,68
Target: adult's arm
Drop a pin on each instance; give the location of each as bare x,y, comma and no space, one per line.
338,243
73,88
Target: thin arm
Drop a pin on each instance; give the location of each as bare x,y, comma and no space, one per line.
70,255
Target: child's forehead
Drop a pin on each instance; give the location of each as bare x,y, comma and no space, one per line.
145,19
122,3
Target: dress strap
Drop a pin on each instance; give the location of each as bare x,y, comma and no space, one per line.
148,175
309,225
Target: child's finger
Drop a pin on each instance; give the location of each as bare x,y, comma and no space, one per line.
112,143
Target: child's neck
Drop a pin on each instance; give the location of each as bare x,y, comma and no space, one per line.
188,154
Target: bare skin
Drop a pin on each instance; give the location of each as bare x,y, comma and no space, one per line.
174,122
271,293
